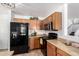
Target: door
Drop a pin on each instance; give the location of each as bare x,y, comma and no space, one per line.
36,42
23,38
51,50
14,31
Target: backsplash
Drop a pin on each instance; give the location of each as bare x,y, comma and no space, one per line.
60,35
40,32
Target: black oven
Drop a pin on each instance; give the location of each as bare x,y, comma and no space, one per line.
50,36
44,46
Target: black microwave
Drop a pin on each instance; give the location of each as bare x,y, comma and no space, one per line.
49,26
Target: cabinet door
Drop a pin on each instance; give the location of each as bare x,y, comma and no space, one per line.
57,20
38,24
50,18
31,43
51,50
53,20
41,25
61,53
36,42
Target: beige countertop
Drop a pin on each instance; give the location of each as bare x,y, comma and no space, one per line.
35,36
68,49
71,38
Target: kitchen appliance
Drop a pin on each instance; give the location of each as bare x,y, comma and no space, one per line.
19,37
48,26
50,36
44,46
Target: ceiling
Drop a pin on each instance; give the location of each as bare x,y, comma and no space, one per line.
35,9
73,10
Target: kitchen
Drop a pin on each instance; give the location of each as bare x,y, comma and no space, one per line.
46,30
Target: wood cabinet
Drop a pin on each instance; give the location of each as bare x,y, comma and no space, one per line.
45,24
34,42
50,18
51,50
41,25
54,51
33,24
57,20
61,53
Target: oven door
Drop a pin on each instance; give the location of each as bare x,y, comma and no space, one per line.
44,47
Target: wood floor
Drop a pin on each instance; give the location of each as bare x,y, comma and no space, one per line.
36,52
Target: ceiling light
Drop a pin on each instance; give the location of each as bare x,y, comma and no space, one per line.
8,5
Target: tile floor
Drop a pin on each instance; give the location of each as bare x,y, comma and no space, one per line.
31,53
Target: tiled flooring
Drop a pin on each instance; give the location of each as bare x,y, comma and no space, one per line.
31,53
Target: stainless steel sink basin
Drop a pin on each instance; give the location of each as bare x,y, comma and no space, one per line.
67,44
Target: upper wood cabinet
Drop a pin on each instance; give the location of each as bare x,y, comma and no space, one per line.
41,25
50,18
33,24
52,22
57,20
45,24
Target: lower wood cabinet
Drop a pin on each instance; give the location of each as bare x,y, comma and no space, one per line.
51,50
54,51
34,42
61,53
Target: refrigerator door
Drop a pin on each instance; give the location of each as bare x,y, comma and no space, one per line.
19,41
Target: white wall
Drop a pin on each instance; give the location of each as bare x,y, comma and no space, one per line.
26,17
5,17
73,10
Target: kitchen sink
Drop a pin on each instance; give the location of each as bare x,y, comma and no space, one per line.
66,42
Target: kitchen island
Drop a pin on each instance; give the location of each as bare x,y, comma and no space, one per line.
58,48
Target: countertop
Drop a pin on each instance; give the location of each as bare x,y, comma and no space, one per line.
35,36
68,49
70,38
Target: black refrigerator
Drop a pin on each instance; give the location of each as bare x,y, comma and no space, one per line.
19,37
